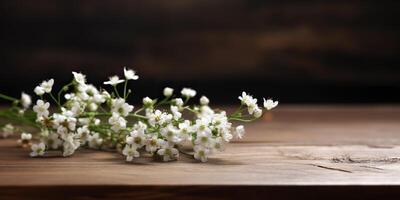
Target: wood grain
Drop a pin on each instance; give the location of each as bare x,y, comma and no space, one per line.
299,148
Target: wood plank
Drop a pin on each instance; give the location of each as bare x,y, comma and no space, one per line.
297,146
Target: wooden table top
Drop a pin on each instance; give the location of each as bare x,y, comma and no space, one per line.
343,146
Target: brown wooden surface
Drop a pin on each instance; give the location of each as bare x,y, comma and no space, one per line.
344,147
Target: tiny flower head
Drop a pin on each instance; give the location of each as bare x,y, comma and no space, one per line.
38,149
239,131
79,78
188,92
39,91
204,100
270,104
26,100
130,74
113,80
47,86
168,91
41,108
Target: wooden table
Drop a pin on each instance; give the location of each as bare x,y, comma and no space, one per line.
300,151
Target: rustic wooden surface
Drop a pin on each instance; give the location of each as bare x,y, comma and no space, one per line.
298,147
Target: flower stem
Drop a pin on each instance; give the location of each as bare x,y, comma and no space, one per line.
125,85
6,97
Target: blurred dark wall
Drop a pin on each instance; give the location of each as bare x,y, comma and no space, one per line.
296,51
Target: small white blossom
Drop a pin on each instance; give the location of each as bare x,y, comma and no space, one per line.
204,100
178,102
26,100
41,108
38,149
201,153
39,91
239,131
117,122
114,80
171,134
119,106
25,139
94,140
79,78
153,144
168,152
47,86
175,112
130,152
270,104
130,74
147,101
257,112
8,130
70,144
52,141
136,138
168,91
188,92
249,101
158,118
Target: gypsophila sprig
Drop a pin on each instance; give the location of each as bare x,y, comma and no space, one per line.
86,116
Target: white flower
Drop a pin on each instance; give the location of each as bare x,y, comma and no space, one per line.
257,112
119,106
203,138
70,144
168,152
130,152
64,121
175,112
188,92
94,140
52,141
26,100
153,144
219,144
38,149
79,78
25,139
41,108
117,122
239,131
158,117
249,101
130,74
39,91
171,134
204,100
186,129
147,101
136,138
178,102
270,104
7,130
114,80
47,86
168,91
201,153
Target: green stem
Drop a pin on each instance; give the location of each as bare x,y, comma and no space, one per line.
242,120
62,89
116,91
125,85
54,99
6,97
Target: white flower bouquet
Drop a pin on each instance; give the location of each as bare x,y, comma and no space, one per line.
96,118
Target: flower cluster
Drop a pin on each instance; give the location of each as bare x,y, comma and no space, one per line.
91,117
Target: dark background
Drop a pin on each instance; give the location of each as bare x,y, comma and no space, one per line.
296,51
